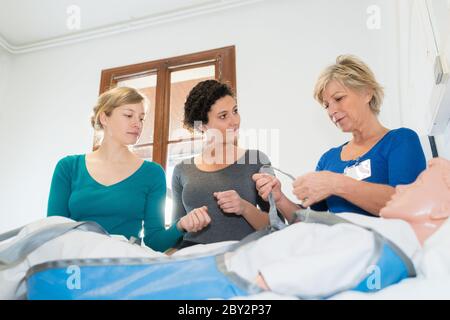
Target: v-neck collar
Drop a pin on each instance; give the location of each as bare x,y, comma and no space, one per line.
111,185
366,153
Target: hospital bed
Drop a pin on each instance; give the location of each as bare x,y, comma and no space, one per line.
433,280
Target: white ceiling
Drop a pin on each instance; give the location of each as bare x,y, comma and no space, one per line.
29,25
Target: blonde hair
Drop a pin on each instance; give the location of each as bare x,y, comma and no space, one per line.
353,73
111,99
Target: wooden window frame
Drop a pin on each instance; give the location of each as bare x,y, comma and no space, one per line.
224,60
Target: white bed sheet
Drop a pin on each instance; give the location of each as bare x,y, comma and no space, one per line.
408,289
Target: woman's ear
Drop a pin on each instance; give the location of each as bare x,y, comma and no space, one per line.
103,119
202,127
368,94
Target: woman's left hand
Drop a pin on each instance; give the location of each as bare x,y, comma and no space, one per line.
315,186
230,202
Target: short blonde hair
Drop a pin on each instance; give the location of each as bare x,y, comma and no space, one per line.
111,99
353,73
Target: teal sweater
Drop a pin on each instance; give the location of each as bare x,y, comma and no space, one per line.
121,208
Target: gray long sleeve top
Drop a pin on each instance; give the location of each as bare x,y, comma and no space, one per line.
193,188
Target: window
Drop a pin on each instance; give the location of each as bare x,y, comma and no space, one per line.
166,84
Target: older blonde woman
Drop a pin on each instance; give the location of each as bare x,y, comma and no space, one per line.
360,175
114,187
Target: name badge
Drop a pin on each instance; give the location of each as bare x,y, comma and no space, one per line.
359,171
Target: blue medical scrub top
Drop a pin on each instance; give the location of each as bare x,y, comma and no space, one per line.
396,159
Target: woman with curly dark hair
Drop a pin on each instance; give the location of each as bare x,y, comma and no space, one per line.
218,183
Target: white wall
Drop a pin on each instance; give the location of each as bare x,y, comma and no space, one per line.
281,47
5,62
420,97
443,143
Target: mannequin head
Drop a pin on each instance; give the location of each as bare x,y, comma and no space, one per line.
425,204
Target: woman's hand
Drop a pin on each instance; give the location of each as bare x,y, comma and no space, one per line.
230,202
195,220
265,184
315,186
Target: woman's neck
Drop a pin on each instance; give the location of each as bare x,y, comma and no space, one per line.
369,132
110,151
424,230
224,154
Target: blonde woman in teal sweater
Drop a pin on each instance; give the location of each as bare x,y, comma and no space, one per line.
114,187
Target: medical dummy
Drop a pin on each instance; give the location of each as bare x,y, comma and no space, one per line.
428,195
320,256
424,204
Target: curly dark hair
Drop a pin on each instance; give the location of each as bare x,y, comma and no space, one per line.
200,100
